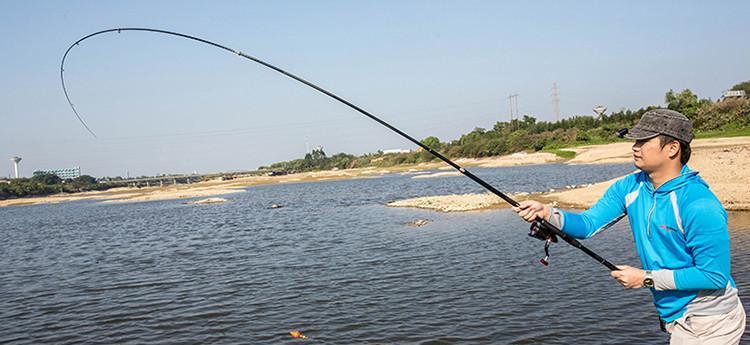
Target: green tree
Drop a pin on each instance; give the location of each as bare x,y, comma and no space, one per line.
528,122
84,180
318,154
745,86
342,160
5,191
685,102
46,179
432,142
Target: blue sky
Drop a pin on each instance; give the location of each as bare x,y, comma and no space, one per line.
165,105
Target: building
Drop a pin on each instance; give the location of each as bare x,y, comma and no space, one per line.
64,174
732,94
385,152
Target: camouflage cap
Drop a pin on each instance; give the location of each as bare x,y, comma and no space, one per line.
662,121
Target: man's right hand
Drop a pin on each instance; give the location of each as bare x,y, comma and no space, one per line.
531,210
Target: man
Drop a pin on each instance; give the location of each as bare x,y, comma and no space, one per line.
680,232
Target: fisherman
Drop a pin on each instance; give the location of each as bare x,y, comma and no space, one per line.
680,232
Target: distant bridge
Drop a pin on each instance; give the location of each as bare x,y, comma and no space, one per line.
160,181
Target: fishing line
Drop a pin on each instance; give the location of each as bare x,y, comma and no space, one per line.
545,224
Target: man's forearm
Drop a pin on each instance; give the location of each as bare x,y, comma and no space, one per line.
688,278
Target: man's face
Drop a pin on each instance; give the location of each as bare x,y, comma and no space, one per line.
649,155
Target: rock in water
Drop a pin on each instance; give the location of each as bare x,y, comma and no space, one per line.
418,222
277,206
205,201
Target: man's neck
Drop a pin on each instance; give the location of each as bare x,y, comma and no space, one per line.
661,176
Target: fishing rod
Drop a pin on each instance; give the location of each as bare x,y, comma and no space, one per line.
541,229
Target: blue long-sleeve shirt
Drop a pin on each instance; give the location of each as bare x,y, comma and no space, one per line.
680,232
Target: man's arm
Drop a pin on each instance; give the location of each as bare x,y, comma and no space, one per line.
707,238
606,212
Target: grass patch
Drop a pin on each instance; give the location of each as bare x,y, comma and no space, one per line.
562,153
723,133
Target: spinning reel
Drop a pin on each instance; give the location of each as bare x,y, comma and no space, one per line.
538,231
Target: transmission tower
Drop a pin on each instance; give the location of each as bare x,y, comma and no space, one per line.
511,98
556,100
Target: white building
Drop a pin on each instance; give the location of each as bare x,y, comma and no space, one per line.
64,174
732,94
395,151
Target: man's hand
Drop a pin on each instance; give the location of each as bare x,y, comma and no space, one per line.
629,277
531,210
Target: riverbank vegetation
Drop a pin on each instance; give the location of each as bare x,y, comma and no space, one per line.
46,184
727,117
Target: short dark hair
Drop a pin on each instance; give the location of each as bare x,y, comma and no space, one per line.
685,150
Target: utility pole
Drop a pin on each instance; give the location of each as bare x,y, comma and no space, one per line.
556,100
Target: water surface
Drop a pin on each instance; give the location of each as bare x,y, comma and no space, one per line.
334,262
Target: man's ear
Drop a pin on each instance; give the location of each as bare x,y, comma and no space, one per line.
674,149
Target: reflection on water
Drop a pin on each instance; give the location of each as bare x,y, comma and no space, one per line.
334,263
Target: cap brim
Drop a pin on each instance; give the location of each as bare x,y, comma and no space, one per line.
639,134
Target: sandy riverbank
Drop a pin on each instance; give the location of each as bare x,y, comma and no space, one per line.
720,162
209,188
214,188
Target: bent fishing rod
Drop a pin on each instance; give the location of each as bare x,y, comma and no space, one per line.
541,222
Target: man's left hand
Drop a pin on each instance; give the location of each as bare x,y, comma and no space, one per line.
629,277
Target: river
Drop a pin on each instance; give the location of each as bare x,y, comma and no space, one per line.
334,262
